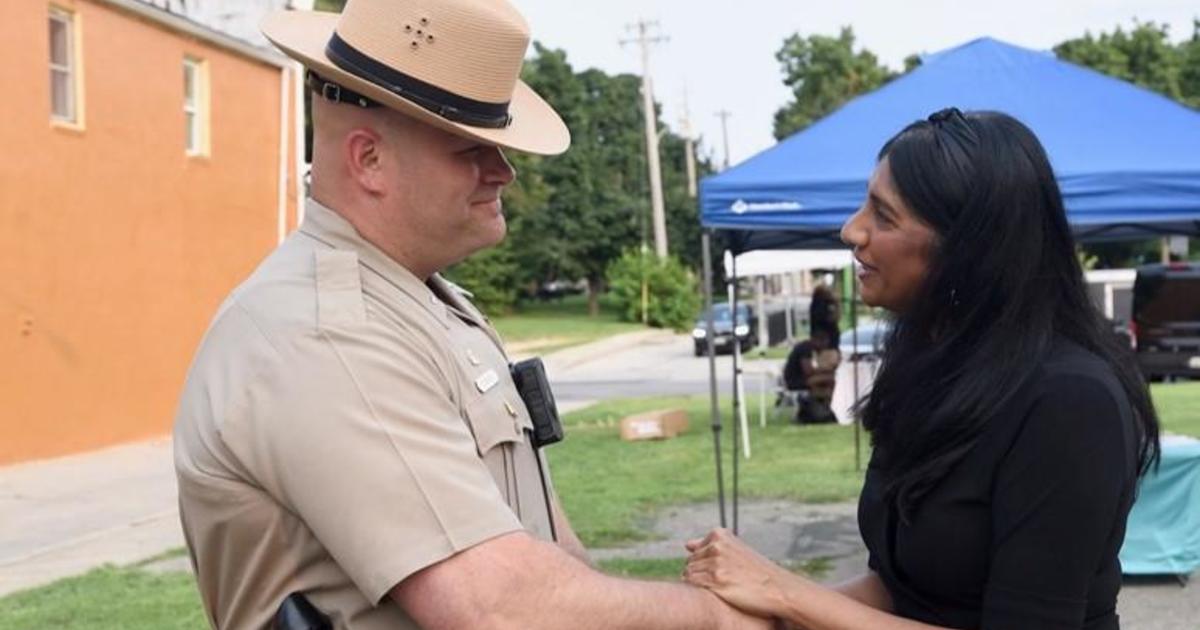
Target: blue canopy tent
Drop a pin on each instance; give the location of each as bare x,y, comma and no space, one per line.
1127,160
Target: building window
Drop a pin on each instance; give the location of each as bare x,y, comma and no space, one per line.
64,98
195,106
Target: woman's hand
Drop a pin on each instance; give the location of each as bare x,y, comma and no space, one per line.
724,564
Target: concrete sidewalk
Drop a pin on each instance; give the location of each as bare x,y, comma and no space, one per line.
65,516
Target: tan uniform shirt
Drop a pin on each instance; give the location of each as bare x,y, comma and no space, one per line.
343,426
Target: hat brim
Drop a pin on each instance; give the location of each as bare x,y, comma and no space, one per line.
535,128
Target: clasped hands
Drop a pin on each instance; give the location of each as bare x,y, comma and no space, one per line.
739,575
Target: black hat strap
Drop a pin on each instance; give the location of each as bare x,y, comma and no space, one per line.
448,105
338,93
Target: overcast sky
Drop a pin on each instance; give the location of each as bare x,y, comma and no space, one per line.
723,53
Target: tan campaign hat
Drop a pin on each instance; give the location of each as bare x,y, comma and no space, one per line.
454,64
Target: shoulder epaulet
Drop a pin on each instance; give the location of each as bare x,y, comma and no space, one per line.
339,288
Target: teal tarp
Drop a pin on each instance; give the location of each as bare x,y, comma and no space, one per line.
1163,534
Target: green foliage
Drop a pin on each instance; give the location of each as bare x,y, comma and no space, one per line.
595,190
572,215
1123,254
1143,56
491,276
1189,74
824,72
671,297
1087,261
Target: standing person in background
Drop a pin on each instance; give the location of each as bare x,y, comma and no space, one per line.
824,313
1009,426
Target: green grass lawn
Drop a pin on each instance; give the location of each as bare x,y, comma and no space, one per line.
541,327
609,487
108,598
1178,406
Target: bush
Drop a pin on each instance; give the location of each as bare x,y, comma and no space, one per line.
671,297
491,276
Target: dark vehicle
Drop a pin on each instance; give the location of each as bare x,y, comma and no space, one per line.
1166,320
864,343
724,329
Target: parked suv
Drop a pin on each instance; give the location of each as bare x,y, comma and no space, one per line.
1166,320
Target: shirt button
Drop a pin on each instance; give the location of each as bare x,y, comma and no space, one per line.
512,411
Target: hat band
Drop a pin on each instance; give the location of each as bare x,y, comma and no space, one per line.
448,105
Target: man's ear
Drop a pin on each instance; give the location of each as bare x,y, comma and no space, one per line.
363,149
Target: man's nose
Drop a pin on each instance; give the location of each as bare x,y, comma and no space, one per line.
496,168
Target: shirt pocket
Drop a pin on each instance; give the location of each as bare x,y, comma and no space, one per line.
497,417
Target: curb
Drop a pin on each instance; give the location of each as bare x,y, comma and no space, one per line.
568,358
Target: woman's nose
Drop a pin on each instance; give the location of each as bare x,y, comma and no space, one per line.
853,234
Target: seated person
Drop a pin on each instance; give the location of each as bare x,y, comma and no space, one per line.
810,370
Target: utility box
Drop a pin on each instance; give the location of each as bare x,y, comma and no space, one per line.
654,425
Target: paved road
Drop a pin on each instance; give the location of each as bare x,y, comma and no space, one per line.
658,365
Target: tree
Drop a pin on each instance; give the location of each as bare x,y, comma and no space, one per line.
1189,74
1143,56
683,212
824,72
597,189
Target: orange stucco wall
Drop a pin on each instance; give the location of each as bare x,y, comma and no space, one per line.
115,247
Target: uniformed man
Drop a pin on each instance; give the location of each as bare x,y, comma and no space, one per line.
349,429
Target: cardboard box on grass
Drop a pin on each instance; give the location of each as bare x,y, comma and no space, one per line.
654,425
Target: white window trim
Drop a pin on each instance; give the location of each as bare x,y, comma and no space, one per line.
73,71
196,112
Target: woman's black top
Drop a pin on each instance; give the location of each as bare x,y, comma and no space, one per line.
1024,532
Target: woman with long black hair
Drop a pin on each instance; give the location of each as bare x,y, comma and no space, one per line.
1009,426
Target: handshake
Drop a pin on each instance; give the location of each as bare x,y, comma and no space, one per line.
742,578
752,591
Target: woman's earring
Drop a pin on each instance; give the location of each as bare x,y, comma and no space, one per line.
954,297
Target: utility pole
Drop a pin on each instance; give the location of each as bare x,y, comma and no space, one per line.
689,148
656,196
724,116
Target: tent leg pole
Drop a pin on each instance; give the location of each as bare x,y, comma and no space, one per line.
736,355
854,334
706,246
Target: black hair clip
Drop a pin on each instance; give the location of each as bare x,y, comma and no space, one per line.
955,125
945,115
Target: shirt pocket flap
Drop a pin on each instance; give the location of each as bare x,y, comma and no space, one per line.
497,417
